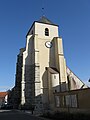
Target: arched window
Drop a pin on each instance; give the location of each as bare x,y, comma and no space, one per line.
46,32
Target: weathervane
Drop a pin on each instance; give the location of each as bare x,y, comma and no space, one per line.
43,8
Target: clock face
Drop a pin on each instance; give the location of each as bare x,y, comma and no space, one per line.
48,44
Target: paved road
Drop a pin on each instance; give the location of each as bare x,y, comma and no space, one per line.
15,115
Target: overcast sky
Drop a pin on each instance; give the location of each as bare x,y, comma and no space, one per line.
73,18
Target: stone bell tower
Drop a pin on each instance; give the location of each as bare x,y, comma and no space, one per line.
44,67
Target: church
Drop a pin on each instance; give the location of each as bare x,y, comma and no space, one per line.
41,67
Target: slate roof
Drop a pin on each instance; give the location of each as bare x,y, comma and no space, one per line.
45,20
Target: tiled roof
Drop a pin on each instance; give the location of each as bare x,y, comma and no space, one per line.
3,94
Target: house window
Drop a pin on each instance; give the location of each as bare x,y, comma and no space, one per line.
71,101
46,32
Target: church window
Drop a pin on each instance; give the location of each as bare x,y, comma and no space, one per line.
32,32
46,32
54,76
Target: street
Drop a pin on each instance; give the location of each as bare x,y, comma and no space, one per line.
16,115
